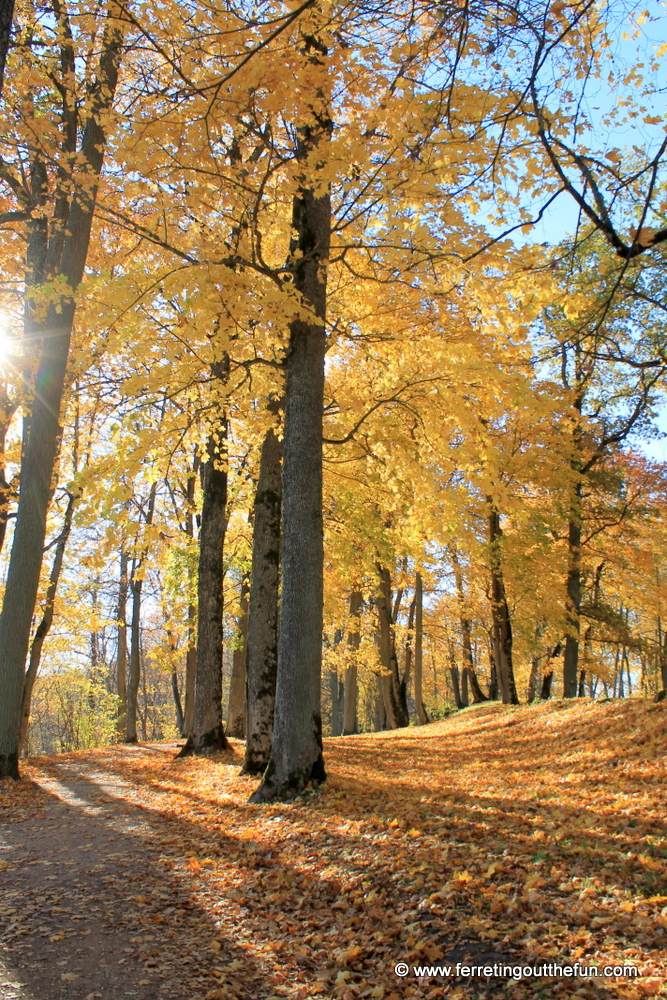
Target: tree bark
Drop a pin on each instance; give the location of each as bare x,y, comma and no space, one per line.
407,670
478,695
191,652
533,680
208,735
581,690
456,687
236,712
121,655
136,586
296,752
351,673
134,672
6,18
337,691
190,672
500,612
393,688
419,651
465,699
177,701
380,709
469,676
262,644
493,669
547,681
41,446
571,657
44,626
548,673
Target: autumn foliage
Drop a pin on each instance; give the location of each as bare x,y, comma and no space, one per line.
515,835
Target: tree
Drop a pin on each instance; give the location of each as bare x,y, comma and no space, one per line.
262,641
296,751
64,247
207,733
6,17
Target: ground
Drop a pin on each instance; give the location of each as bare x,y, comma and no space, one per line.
509,836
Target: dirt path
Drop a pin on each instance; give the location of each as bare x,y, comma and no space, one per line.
80,876
518,836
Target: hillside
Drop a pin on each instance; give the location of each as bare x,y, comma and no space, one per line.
521,836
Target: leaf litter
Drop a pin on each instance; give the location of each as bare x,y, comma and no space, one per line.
518,836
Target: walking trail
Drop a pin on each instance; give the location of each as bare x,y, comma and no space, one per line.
518,836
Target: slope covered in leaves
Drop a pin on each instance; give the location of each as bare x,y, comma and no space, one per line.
510,835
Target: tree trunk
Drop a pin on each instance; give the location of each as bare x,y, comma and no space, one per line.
236,713
177,701
351,672
571,658
41,446
533,680
469,675
6,17
334,693
581,692
44,626
136,586
478,695
296,752
456,687
548,672
393,688
121,655
380,702
465,699
419,651
547,681
190,673
493,670
208,735
191,653
262,644
407,670
500,612
134,674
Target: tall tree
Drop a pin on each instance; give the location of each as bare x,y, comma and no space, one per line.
66,238
262,641
136,586
502,626
351,684
296,752
208,734
393,682
236,710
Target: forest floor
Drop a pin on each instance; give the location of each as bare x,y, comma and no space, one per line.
499,836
